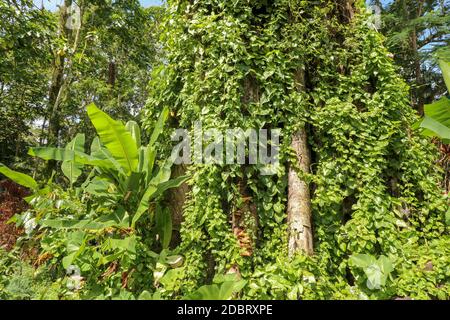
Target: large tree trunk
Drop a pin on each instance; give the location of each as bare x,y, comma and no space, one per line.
299,197
176,199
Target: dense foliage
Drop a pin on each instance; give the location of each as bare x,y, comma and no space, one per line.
375,183
107,213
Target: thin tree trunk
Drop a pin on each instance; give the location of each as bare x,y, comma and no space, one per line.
299,197
418,74
417,65
57,81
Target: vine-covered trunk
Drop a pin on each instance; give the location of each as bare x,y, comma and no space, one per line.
237,66
54,124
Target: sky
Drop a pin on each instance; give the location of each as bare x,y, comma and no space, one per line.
51,4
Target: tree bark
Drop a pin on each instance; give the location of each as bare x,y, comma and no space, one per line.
418,74
176,199
299,197
54,124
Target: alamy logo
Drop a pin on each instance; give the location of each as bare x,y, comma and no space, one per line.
231,146
74,16
375,19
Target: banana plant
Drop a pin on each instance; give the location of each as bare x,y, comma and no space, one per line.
24,180
124,171
436,122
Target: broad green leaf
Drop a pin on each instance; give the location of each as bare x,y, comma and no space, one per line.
159,126
127,244
208,292
163,174
99,187
72,224
101,157
439,111
435,128
116,138
144,204
362,260
224,291
116,219
76,243
132,182
227,289
385,264
445,67
174,183
153,192
70,168
149,162
163,221
145,295
101,163
58,154
18,177
375,277
135,131
436,122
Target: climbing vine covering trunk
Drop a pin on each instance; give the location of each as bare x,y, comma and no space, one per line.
234,64
57,81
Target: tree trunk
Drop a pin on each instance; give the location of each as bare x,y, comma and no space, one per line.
176,198
299,197
54,124
418,73
417,65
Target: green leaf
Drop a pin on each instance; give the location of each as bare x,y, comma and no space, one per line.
101,157
127,244
385,264
49,153
148,162
163,221
70,168
174,183
439,111
377,271
224,291
18,177
435,128
115,219
143,204
135,131
145,295
159,126
76,243
362,260
116,138
445,67
153,192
